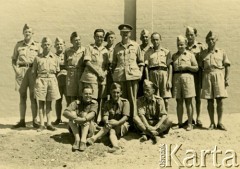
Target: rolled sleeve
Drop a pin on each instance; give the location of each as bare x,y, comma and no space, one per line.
226,61
93,108
161,108
169,58
193,60
72,107
87,56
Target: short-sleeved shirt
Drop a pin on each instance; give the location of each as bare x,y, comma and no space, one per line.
116,110
127,59
99,58
196,49
62,63
161,57
25,53
144,49
110,56
48,64
153,109
73,57
214,59
83,107
187,58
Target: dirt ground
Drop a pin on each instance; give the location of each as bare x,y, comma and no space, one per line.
27,148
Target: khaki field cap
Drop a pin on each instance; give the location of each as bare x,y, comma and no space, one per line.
144,32
149,84
59,40
211,34
26,26
181,38
125,27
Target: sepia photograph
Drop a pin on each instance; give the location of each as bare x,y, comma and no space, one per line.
119,84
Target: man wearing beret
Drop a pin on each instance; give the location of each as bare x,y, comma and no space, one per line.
128,65
152,117
22,60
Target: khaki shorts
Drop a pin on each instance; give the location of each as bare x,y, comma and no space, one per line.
46,89
122,130
183,85
213,85
24,79
159,78
99,90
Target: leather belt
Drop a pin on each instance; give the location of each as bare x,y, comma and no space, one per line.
25,65
183,71
158,68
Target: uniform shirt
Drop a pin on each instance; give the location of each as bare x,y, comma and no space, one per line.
161,57
214,59
61,63
98,56
127,59
82,107
153,109
25,53
144,50
196,49
187,58
48,64
116,110
110,56
73,58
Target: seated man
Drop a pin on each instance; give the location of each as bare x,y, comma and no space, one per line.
81,114
152,117
115,115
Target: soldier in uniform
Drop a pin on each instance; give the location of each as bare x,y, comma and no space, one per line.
152,117
110,38
81,114
128,65
144,37
196,48
215,65
95,72
61,77
184,65
115,114
158,61
45,68
22,60
74,64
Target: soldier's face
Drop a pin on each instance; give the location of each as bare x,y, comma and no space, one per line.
116,93
99,37
76,41
59,46
28,34
155,40
190,36
87,95
211,41
46,46
181,45
111,39
125,34
145,38
148,92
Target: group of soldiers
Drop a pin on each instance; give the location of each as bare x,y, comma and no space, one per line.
118,85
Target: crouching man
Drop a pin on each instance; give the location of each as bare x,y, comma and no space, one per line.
81,114
115,115
152,117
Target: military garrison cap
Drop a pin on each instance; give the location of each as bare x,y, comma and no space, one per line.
74,35
125,27
107,34
211,34
149,84
46,39
181,38
26,26
58,39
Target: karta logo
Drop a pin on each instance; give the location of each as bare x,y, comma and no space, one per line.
192,158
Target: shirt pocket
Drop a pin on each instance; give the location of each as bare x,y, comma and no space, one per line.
21,51
218,60
52,66
186,60
33,51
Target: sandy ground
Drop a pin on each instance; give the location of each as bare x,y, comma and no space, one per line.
26,148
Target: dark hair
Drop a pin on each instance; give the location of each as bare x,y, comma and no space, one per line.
156,33
87,87
99,30
116,86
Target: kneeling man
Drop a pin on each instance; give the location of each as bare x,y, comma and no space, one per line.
152,117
